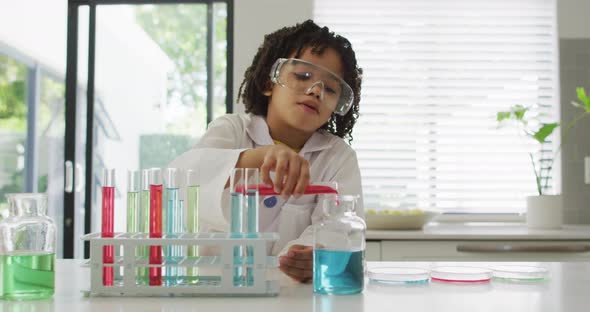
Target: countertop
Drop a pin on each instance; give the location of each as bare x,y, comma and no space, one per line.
483,231
566,290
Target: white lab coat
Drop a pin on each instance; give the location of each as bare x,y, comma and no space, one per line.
330,158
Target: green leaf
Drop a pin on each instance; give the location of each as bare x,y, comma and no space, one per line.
584,98
582,95
545,131
502,116
519,111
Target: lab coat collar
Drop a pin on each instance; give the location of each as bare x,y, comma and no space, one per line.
260,134
258,131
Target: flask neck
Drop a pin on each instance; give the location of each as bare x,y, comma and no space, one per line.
27,204
343,205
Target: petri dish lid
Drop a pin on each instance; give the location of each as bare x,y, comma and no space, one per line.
520,273
398,275
461,274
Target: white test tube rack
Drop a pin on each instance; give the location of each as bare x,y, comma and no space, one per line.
222,285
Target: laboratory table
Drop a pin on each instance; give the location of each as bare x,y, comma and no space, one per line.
567,289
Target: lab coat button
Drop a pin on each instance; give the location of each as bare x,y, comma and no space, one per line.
270,202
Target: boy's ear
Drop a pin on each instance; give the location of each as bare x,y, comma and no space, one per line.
268,89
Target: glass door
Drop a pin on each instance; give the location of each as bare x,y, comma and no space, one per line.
151,76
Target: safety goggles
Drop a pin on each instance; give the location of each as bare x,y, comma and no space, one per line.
302,77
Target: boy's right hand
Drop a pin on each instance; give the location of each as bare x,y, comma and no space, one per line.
291,170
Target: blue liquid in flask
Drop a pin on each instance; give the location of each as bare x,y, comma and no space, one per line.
338,272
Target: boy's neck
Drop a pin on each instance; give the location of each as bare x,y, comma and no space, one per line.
293,138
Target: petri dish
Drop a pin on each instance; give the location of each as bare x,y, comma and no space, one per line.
461,274
399,275
520,273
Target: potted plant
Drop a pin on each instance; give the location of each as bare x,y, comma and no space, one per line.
544,210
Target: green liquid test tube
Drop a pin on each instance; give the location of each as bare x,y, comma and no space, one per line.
133,210
144,223
132,202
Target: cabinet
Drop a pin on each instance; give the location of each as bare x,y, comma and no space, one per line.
444,250
467,242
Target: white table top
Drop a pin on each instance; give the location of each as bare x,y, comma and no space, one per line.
567,290
483,231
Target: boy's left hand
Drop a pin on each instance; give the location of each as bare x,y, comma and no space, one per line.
298,263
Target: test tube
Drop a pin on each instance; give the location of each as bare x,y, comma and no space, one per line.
237,191
155,181
132,202
192,222
108,224
180,249
174,221
133,208
252,182
144,222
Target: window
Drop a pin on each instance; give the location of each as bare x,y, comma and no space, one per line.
435,74
13,125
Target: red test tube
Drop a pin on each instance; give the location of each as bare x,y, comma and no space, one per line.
108,225
155,181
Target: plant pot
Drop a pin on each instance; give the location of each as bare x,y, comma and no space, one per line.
544,212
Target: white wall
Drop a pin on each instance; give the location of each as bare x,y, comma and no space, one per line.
255,18
573,17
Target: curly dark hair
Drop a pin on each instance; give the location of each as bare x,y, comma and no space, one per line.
295,39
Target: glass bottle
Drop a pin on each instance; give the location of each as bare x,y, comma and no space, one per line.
27,249
339,248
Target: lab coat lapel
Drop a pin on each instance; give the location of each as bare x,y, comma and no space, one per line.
258,131
317,142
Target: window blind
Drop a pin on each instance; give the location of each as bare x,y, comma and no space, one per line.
435,74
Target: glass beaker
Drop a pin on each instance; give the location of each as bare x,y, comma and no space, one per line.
339,248
27,249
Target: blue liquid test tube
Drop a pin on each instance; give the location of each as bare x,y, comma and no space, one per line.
252,199
236,214
192,222
174,221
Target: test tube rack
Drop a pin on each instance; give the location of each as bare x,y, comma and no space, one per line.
222,285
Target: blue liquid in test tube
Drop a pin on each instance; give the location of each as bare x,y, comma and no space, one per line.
252,228
236,214
174,221
237,200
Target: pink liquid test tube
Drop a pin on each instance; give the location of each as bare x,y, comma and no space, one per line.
265,190
155,181
108,224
